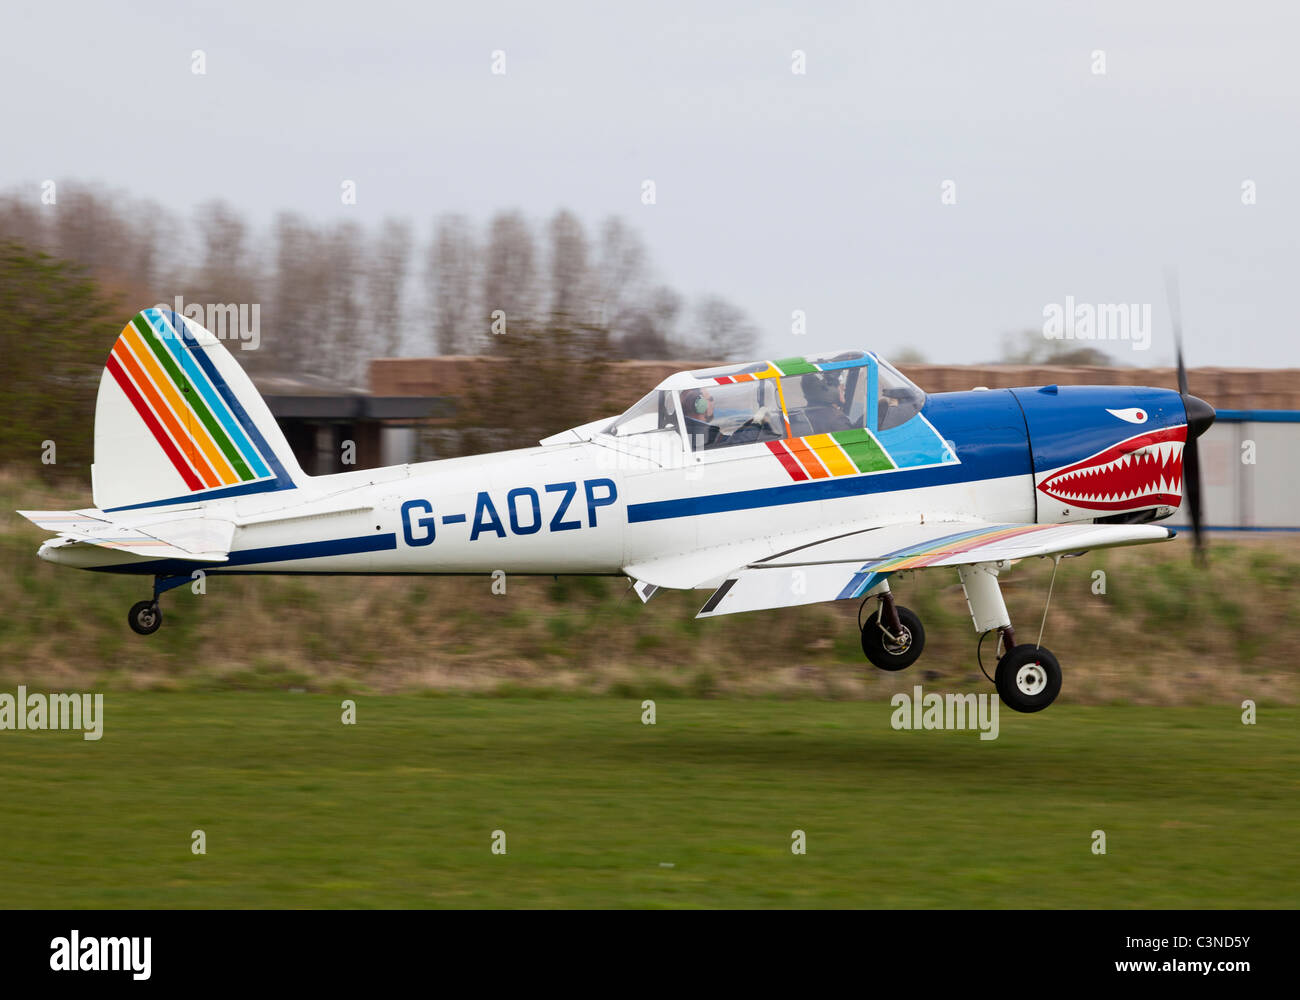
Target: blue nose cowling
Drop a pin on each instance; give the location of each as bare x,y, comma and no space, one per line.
1070,422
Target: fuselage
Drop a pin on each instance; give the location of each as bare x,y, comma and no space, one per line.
598,505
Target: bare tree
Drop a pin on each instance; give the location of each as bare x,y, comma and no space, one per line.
152,229
88,229
649,330
295,302
571,294
24,220
227,271
224,238
1030,347
341,331
385,283
332,296
722,330
622,274
453,276
509,270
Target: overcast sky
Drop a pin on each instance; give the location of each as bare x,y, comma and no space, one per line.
818,192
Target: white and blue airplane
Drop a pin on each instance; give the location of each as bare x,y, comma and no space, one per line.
771,484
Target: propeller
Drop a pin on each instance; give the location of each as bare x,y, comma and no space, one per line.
1200,415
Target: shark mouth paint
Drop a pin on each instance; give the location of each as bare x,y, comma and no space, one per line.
1143,471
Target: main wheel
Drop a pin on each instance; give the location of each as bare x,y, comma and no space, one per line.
145,617
899,652
1028,678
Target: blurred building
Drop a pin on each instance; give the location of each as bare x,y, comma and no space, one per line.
333,428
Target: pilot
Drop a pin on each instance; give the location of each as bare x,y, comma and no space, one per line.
697,404
824,394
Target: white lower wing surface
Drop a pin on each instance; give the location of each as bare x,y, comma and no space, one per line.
848,566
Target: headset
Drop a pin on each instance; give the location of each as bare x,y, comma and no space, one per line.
701,405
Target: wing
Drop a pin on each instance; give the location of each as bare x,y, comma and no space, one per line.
708,566
848,566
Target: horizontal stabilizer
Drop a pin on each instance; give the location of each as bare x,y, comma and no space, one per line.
196,538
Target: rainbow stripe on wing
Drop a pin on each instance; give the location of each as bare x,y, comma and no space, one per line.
153,364
930,552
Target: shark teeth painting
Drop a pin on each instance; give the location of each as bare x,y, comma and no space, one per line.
1143,470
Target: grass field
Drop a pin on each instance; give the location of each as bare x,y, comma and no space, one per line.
398,810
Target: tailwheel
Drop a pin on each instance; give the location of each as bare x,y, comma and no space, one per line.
1028,678
893,648
145,617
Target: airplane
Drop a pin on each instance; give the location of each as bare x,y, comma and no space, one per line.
771,484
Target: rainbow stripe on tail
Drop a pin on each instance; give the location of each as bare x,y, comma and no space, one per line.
177,420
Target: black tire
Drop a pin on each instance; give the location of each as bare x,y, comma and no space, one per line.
1028,678
883,653
145,617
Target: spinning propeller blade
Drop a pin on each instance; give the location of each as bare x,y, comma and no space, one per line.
1200,415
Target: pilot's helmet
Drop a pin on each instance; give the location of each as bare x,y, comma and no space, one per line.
818,390
695,403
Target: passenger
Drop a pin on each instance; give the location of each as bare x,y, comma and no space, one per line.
825,403
697,405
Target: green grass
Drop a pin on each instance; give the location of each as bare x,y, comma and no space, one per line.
398,811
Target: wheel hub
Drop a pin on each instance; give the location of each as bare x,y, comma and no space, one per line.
899,644
1031,679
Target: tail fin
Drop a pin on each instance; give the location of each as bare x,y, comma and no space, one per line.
177,420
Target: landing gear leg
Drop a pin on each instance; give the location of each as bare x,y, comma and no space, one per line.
893,636
1028,676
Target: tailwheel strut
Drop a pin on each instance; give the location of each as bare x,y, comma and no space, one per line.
145,617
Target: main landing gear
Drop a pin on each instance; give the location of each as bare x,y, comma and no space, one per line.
1028,676
892,636
145,617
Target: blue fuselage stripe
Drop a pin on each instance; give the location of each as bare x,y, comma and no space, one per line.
822,489
274,553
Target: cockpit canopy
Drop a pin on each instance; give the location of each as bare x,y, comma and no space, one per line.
769,400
